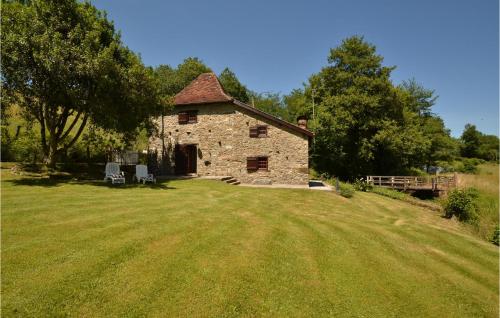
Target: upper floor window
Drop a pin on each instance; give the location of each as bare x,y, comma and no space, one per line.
188,117
258,131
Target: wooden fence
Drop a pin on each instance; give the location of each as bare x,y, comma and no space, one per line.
435,183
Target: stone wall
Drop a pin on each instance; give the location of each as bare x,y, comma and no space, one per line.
222,138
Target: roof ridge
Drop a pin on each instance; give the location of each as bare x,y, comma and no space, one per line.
221,88
205,88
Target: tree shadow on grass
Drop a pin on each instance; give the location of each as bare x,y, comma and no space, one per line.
51,182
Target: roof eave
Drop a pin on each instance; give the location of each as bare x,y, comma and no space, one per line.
273,118
205,102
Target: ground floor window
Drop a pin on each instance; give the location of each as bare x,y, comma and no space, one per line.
257,163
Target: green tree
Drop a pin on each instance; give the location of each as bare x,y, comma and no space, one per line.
471,141
362,122
173,80
488,150
297,104
232,85
64,64
441,146
270,103
422,99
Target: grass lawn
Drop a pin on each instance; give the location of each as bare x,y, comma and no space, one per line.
205,248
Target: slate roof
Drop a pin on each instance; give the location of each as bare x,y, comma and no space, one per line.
206,89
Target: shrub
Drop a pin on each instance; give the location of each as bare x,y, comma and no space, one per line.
313,174
361,185
325,176
464,165
469,166
77,153
462,204
346,190
27,148
496,235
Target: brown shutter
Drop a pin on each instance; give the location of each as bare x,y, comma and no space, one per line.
254,132
193,116
262,131
183,118
252,163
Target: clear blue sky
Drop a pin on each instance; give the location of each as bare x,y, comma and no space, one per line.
274,46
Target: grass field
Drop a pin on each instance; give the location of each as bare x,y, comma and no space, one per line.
486,181
204,248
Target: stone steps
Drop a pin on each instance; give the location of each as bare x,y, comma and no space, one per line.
230,180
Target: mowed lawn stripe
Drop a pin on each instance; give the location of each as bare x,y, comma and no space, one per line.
204,248
395,245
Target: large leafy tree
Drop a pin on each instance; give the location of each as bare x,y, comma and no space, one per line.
441,146
471,141
297,104
475,144
422,99
361,115
488,150
268,102
64,64
233,86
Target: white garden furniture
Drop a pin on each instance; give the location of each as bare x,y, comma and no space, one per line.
142,175
114,174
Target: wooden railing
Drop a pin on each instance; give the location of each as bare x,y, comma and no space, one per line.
435,183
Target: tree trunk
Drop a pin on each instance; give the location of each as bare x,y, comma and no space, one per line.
52,149
52,155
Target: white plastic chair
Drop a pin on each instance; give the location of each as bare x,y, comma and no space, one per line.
113,173
142,175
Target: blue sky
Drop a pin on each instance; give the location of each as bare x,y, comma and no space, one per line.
274,46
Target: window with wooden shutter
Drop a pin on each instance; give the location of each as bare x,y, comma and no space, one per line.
262,163
254,132
262,131
192,117
252,164
258,131
257,163
183,117
188,117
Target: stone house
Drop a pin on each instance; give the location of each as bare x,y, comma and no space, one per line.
209,133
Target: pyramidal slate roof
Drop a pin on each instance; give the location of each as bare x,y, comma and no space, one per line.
206,89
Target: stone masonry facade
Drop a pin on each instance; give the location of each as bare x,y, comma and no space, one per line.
221,136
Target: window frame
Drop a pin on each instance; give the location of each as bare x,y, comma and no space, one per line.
191,117
256,131
258,163
263,159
